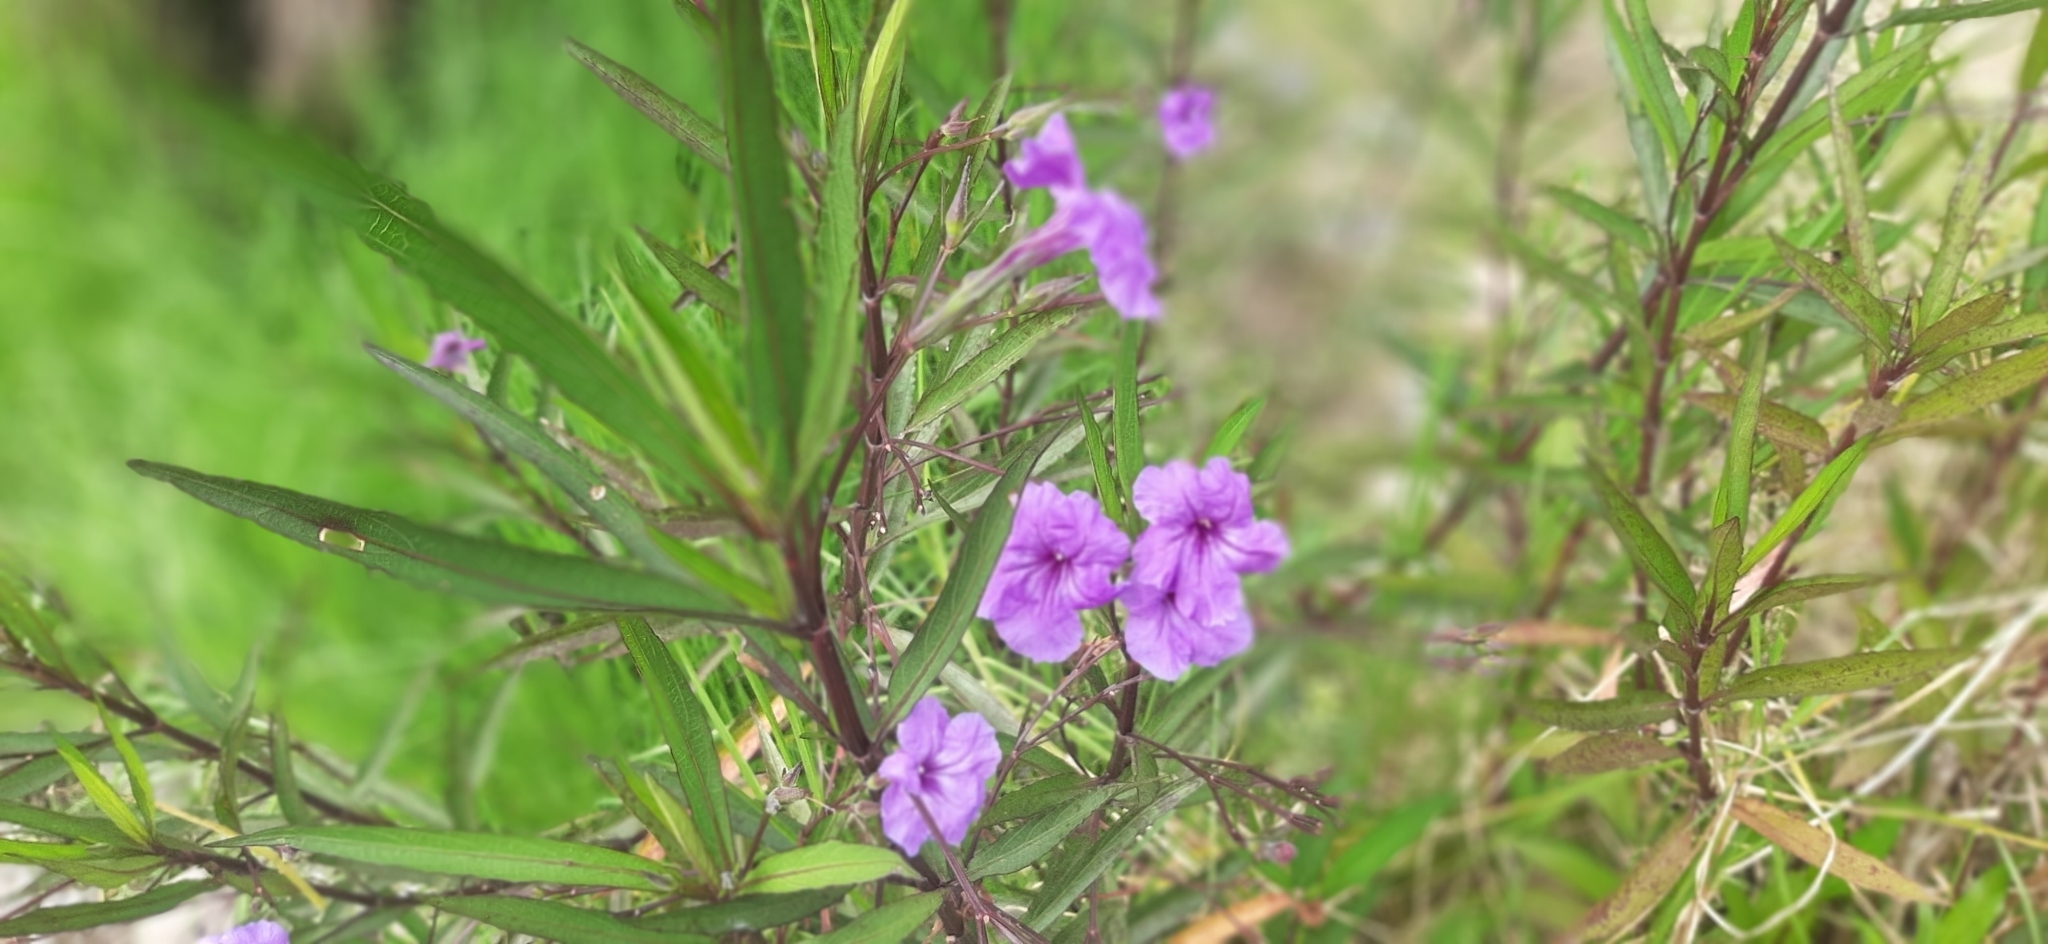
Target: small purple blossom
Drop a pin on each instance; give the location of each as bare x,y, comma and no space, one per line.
1184,123
452,350
1280,852
1162,635
1057,562
943,763
1116,241
1108,226
1049,160
1201,537
260,932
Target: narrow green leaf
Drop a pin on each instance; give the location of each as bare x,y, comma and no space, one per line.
1724,565
1601,753
138,775
1835,676
1975,391
1072,876
554,921
60,918
1819,494
1360,863
953,612
1616,223
2022,328
1038,796
1865,312
284,775
681,122
1805,588
984,367
713,291
103,796
1957,11
1958,232
2036,63
227,800
20,852
879,78
1738,468
1660,868
1717,331
1961,320
1855,203
65,825
477,855
1028,842
1130,438
1107,492
835,291
687,729
822,865
1234,426
1628,710
746,913
889,924
1645,546
772,283
441,560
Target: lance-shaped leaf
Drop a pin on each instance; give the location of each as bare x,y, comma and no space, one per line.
2021,328
1738,468
984,367
1816,847
746,913
103,796
476,855
891,923
1836,676
822,865
1974,391
1400,829
1074,874
953,612
1231,431
772,284
879,80
1604,752
1643,887
1028,842
138,776
681,122
81,828
1802,589
441,560
284,775
837,313
1645,546
687,729
1629,710
1819,494
1956,11
1963,319
1724,565
1616,223
1855,199
694,277
1783,426
1130,437
1865,312
60,918
554,921
1958,231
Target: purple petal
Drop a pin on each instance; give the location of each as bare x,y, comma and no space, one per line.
259,932
1049,634
900,819
971,749
1159,493
1185,125
923,732
1117,242
451,350
1165,639
1049,160
1252,549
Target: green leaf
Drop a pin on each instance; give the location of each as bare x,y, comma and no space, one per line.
1819,494
2036,63
1028,842
554,921
746,913
1234,426
138,775
953,612
103,796
822,865
1107,492
2022,328
1855,202
835,290
1961,320
713,291
65,825
984,367
441,560
1645,885
20,852
1358,865
284,775
1601,753
1958,232
61,918
477,855
1071,876
687,728
1977,912
1628,710
879,78
1738,468
1130,438
1974,391
893,922
1645,546
772,283
1802,589
1865,312
1958,11
1724,563
1616,223
1835,676
1039,796
680,121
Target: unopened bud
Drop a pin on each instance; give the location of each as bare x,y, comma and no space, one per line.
1278,853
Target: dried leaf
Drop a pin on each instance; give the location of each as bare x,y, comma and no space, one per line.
1811,844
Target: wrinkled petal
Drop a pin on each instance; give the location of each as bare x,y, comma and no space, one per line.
259,932
1158,492
1202,535
1117,244
1046,634
900,819
971,749
1048,160
923,732
1185,123
1252,549
1057,561
1165,639
944,764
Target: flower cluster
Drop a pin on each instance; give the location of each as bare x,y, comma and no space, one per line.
1184,599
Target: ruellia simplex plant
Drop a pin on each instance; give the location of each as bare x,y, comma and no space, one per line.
781,466
1704,359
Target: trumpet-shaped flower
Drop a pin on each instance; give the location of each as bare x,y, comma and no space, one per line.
1201,536
451,350
260,932
942,764
1049,160
1185,125
1108,226
1162,634
1057,562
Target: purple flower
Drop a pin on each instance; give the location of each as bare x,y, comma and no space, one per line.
1184,123
1162,634
1116,238
941,763
260,932
451,350
1201,537
1056,563
1048,160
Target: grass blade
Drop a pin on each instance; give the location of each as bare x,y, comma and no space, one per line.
681,122
60,918
687,729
